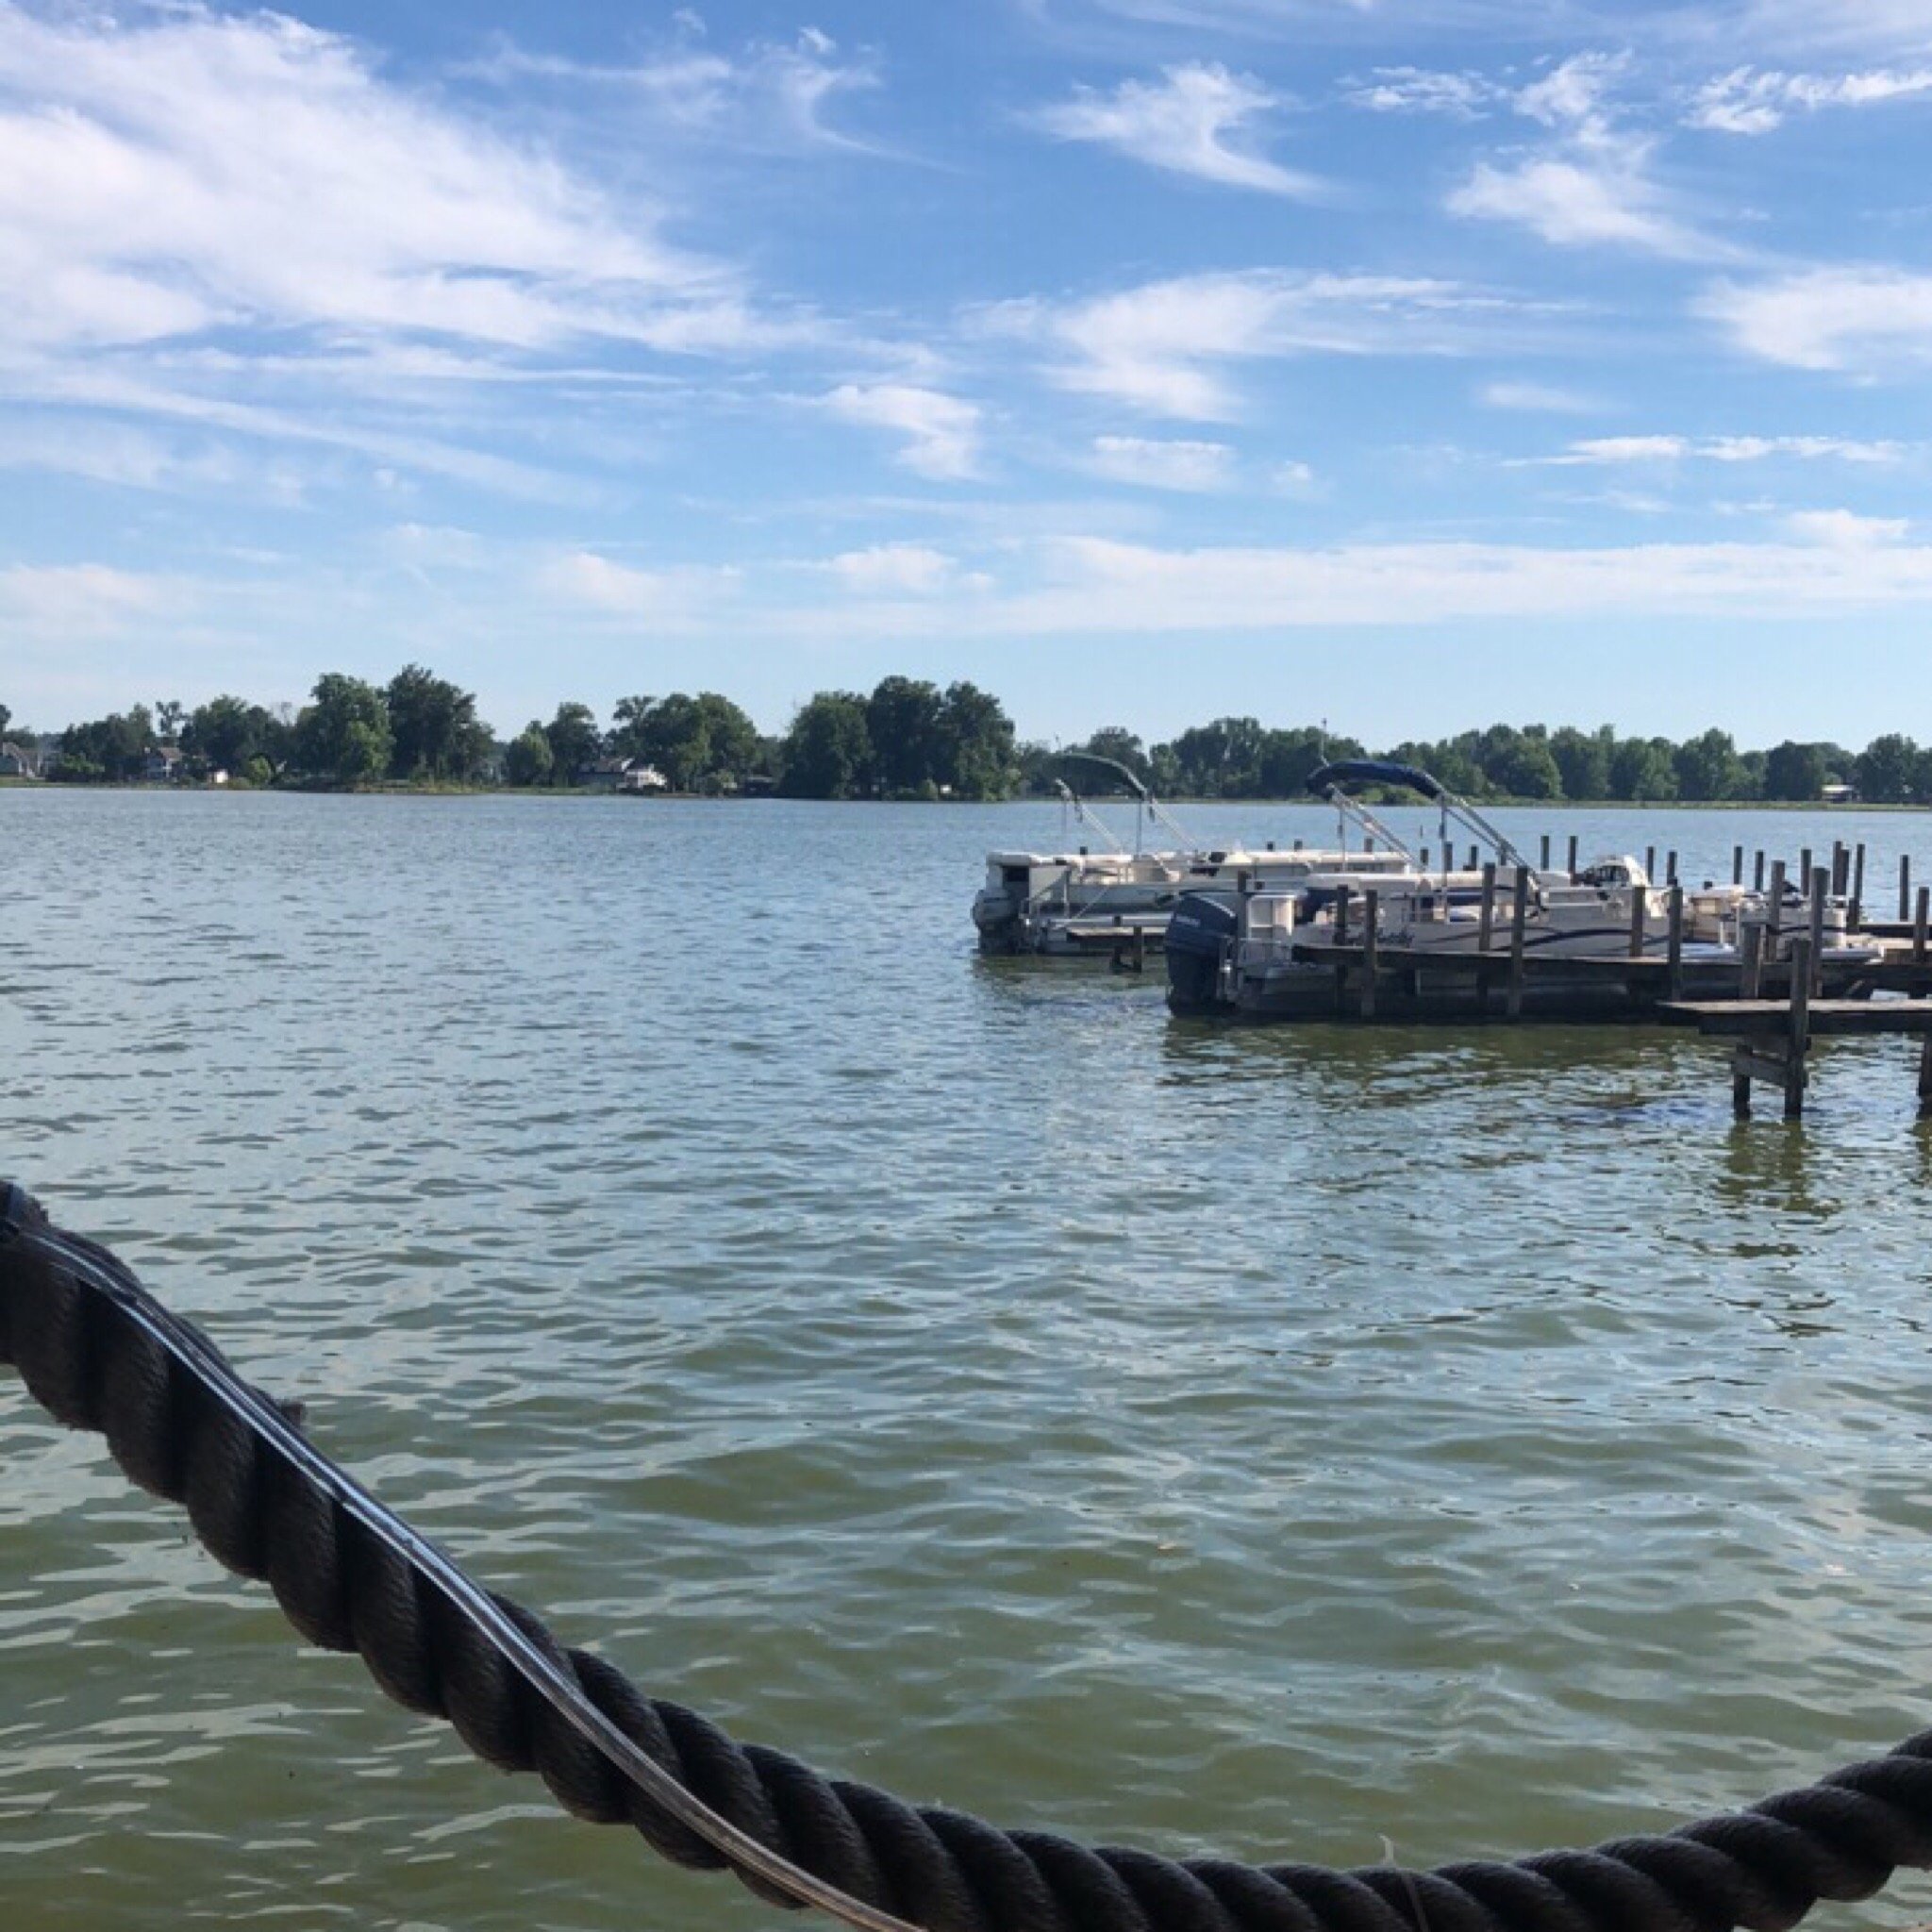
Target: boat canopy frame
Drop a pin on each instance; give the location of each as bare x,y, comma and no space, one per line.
1331,781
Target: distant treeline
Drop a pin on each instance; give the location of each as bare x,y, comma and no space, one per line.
904,739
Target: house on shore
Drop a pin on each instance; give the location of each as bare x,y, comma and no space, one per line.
621,774
163,766
16,761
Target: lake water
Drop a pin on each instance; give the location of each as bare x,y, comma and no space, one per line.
1293,1443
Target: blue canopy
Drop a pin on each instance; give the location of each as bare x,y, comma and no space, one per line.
1347,771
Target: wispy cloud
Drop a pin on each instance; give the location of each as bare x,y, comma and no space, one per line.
767,95
1844,529
1462,96
1749,101
196,171
1861,318
1195,120
940,431
1593,188
1550,398
1164,347
900,570
1612,450
1152,463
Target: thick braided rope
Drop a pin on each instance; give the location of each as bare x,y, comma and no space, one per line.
93,1367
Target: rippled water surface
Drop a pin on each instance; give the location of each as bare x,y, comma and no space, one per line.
958,1373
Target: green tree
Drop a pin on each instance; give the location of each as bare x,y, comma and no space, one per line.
1795,772
224,734
169,714
1887,769
902,717
344,734
1708,767
1123,746
975,743
434,728
630,727
113,747
528,760
1643,769
575,742
1220,759
1583,761
827,751
5,719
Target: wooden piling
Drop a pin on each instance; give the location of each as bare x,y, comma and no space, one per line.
1758,875
1489,907
1474,858
1751,944
1675,972
1736,865
1650,862
1639,903
1670,868
1805,867
1371,935
1545,864
1904,887
1342,916
1774,910
1519,923
1840,868
1573,858
1854,912
1921,914
1798,1039
1925,1077
1821,883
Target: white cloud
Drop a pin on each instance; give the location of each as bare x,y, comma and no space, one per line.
894,570
1842,530
942,431
84,600
1463,96
770,97
1540,396
1162,347
1576,205
1191,121
676,599
1829,318
1104,585
1592,188
1154,464
192,170
1750,100
1614,450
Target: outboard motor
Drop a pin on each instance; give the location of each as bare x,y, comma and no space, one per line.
1202,928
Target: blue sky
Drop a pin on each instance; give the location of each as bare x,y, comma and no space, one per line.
1141,360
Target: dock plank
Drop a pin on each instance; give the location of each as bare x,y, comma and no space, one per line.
1767,1018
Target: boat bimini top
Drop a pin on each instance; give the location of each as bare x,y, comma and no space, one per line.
1331,781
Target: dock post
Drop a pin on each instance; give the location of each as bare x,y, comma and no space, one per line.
1371,963
1736,865
1676,980
1489,908
1640,905
1670,868
1805,867
1474,858
1342,916
1758,875
1854,912
1774,913
1519,923
1750,977
1925,1077
1341,939
1650,862
1573,858
1841,868
1820,885
1140,949
1425,859
1904,887
1798,1041
1920,914
1545,865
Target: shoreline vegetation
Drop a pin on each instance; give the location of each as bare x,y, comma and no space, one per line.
907,739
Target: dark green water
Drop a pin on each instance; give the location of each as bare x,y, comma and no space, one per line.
957,1372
